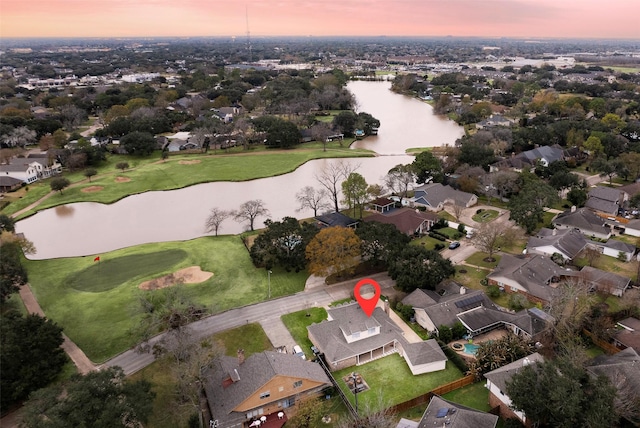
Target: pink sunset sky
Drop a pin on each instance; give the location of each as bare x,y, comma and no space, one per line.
494,18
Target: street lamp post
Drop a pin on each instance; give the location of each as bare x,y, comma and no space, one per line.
269,281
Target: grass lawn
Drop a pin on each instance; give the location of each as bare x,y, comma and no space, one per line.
475,396
477,259
297,322
594,351
152,174
472,277
417,150
449,232
99,318
250,337
445,215
611,264
485,216
427,242
391,382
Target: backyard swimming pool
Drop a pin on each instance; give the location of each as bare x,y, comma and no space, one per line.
471,348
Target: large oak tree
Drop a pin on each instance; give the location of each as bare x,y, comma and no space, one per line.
333,250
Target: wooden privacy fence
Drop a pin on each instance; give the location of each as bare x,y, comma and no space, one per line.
608,347
425,398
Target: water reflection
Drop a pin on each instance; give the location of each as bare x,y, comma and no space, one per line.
64,210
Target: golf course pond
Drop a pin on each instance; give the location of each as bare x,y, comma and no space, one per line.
88,228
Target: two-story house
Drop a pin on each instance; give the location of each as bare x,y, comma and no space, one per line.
240,391
434,196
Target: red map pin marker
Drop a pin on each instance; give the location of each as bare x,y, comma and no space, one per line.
367,305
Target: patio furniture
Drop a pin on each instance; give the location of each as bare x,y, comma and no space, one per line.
280,415
263,419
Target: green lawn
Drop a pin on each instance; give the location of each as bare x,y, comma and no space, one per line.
99,322
477,259
485,216
475,396
250,337
427,242
391,382
152,174
449,232
297,322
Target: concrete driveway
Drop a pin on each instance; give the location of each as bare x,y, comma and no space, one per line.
460,254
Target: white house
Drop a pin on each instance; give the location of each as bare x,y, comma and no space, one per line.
497,385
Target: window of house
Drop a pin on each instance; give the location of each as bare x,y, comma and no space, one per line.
355,335
265,394
280,388
372,330
297,384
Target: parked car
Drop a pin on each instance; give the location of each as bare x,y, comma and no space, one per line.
297,351
454,245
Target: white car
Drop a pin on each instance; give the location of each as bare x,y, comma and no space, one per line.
297,351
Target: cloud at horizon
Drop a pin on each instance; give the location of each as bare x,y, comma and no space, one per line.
491,18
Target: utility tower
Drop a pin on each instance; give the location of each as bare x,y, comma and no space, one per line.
248,33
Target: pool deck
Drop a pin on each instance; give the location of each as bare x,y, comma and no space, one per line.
492,335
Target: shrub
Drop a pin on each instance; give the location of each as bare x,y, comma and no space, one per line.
406,311
445,334
493,291
479,211
438,246
517,301
453,356
437,236
461,228
484,281
457,235
440,224
458,330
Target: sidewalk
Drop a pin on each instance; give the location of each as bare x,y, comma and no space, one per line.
78,357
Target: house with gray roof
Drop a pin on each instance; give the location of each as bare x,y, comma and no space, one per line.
628,335
614,248
535,276
632,227
406,220
349,337
623,370
239,391
583,219
596,279
497,385
445,413
566,242
434,196
544,155
336,219
31,168
606,200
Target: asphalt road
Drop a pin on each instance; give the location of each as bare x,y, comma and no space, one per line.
132,361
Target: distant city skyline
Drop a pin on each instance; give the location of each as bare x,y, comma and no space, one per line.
614,19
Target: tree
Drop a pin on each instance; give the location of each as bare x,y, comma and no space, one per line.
414,267
333,250
354,189
367,122
427,168
527,207
100,399
310,198
558,393
593,146
31,355
491,236
20,137
283,243
605,168
122,165
320,132
331,175
380,241
346,121
12,273
215,219
58,184
398,180
577,197
7,223
308,411
457,210
249,211
90,172
631,161
138,143
494,354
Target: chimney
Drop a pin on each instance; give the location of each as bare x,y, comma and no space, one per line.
240,356
463,290
573,208
386,307
554,232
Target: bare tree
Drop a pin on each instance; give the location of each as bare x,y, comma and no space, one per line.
592,255
376,415
331,178
457,211
310,198
72,117
20,137
399,178
491,236
215,219
320,132
569,306
249,210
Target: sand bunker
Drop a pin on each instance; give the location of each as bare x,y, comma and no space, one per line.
189,162
122,179
91,189
190,275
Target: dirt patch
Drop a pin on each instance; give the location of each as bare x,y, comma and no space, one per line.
122,179
92,189
190,275
189,162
